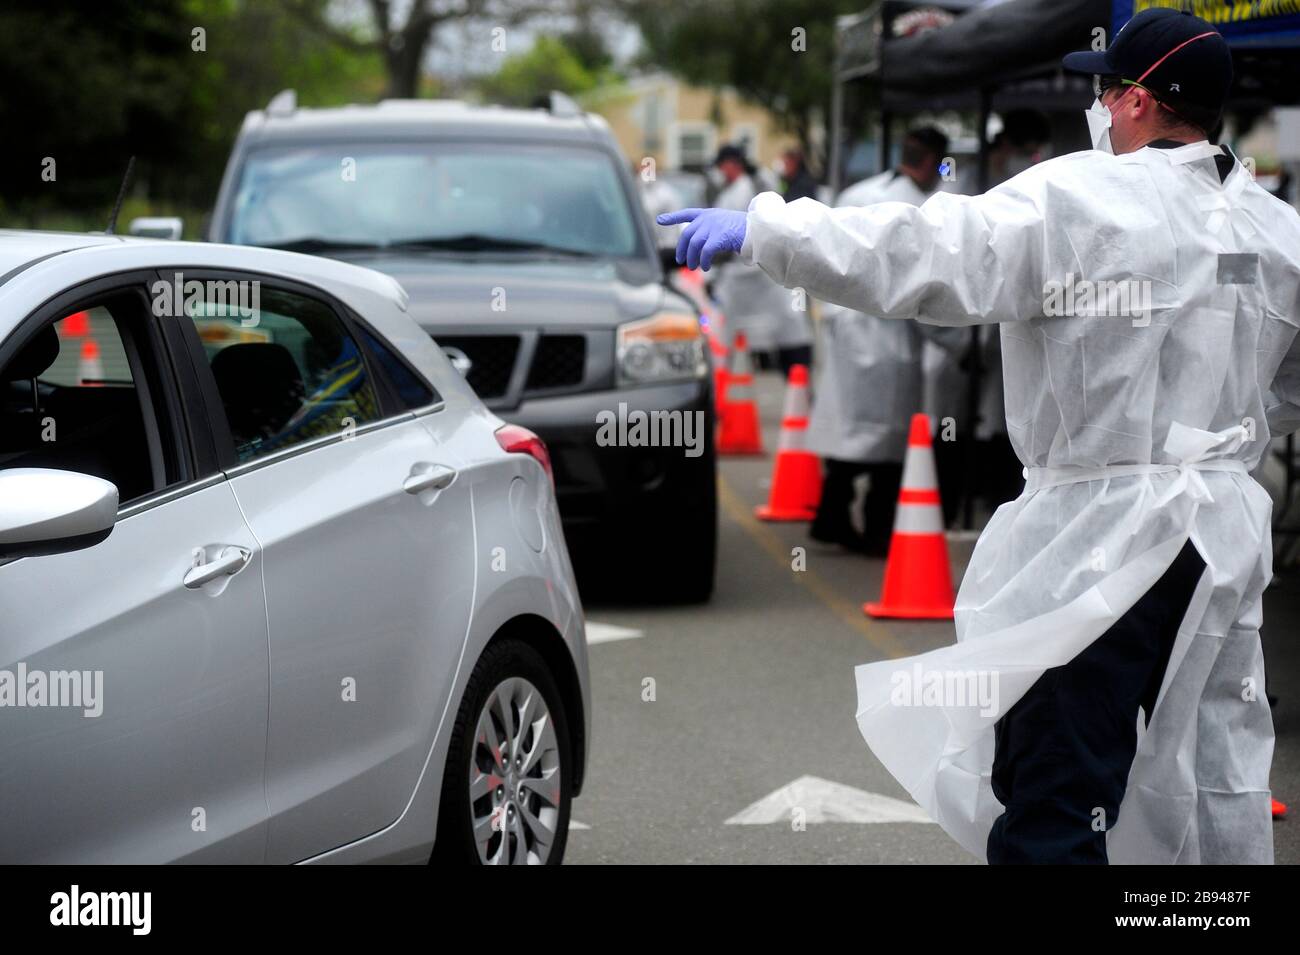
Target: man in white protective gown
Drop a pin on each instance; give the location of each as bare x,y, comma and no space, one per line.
752,302
1105,699
869,376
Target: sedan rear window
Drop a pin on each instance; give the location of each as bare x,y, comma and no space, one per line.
291,375
460,197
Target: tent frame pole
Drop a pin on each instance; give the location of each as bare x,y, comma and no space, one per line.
974,355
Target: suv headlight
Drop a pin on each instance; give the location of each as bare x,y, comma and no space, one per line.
667,346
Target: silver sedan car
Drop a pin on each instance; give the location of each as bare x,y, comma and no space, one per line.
274,585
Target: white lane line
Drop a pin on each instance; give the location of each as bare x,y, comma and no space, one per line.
824,801
608,633
574,825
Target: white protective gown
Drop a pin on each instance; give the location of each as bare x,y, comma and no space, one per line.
1138,434
751,302
946,394
869,375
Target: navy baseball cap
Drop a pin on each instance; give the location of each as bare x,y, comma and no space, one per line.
1177,57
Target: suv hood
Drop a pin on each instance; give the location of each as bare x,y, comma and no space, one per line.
452,291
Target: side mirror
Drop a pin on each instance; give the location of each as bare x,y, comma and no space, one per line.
157,227
43,511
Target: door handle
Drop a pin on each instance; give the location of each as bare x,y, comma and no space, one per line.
428,477
230,561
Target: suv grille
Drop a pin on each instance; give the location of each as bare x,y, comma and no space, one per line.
559,362
493,358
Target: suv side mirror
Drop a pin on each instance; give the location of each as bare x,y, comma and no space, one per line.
157,227
43,511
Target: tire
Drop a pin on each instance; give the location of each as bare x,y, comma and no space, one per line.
506,675
676,564
686,569
684,562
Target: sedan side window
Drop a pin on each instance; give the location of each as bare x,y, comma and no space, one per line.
83,394
287,371
412,391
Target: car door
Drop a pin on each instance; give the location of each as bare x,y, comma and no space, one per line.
368,543
163,623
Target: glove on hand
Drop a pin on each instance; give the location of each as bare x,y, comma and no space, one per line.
710,231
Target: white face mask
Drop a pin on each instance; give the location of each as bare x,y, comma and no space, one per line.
1099,120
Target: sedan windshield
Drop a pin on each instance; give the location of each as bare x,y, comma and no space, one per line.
484,197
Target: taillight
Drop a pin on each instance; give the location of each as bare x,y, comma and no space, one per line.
517,440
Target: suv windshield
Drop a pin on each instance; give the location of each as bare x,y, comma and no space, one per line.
482,197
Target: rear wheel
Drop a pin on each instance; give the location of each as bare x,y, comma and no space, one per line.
506,790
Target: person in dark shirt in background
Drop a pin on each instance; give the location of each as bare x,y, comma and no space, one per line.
797,182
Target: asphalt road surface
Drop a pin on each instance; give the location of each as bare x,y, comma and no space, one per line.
710,723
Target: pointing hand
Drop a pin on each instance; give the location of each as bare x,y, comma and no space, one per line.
710,231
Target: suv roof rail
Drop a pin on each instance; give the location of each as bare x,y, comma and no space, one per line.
283,103
412,103
559,104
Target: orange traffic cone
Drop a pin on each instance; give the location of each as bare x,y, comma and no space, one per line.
918,581
738,431
75,325
1279,809
796,476
90,370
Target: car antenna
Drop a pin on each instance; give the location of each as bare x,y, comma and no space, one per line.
121,196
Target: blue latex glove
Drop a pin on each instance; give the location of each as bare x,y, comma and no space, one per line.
710,231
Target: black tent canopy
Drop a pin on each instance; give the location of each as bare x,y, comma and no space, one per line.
1000,55
984,46
990,56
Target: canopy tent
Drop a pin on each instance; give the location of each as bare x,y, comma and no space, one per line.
991,55
984,45
910,56
1000,54
994,42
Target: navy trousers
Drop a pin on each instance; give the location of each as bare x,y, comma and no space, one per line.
1064,750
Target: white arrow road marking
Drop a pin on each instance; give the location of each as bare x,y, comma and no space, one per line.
575,825
825,801
608,633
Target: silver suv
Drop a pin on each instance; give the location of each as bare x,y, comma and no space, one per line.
521,241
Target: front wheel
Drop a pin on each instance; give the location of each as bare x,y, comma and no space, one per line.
506,790
683,561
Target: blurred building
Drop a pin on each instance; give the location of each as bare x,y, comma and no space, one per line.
682,126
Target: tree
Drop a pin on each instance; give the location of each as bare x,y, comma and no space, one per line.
402,33
89,84
779,54
549,65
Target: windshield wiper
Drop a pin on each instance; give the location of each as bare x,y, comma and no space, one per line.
318,244
473,242
469,242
